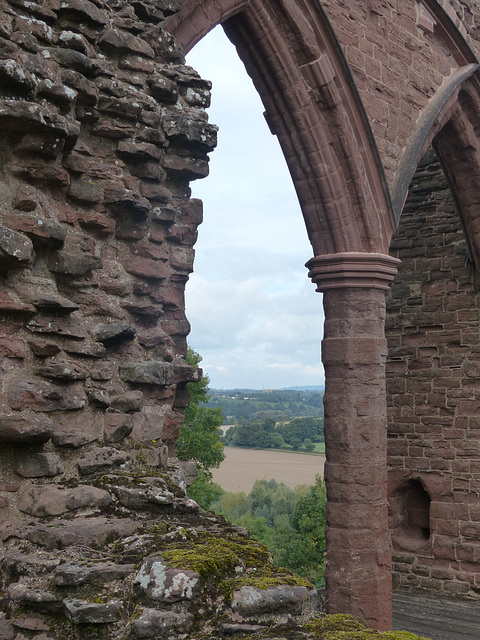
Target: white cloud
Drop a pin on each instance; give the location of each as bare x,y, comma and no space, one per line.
255,316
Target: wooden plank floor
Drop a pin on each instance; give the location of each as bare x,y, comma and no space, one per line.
436,618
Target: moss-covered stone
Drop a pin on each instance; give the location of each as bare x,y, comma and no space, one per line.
346,627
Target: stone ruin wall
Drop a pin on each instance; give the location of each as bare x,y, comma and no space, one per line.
101,129
433,374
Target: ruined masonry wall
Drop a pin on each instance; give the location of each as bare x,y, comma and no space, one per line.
101,129
433,375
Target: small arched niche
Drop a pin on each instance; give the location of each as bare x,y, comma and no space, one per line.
409,510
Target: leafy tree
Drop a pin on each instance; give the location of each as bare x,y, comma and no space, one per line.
303,546
308,445
290,522
295,443
199,438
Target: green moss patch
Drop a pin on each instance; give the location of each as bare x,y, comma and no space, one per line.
346,627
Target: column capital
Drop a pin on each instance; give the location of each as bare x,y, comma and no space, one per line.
352,269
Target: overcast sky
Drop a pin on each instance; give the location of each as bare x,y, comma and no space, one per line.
256,318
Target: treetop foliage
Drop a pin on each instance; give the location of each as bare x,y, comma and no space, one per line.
199,438
290,522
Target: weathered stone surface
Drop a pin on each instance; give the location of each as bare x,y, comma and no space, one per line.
25,428
55,326
70,574
7,631
164,584
75,429
125,42
84,612
97,222
12,348
150,373
44,348
85,191
53,500
146,493
103,371
64,370
90,349
250,601
51,303
15,248
74,264
148,426
81,531
40,395
98,398
34,598
18,564
42,231
154,623
124,201
146,268
101,459
185,472
28,116
186,373
41,174
83,10
38,464
10,303
113,333
130,401
117,426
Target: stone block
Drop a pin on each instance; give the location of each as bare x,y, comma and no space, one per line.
16,249
101,459
129,401
124,42
147,427
92,530
98,398
153,623
151,372
36,599
96,222
250,601
164,584
138,152
38,464
146,268
65,370
63,327
53,500
83,10
11,304
74,264
113,333
25,428
70,574
117,426
84,612
75,429
50,303
85,191
41,174
90,349
11,347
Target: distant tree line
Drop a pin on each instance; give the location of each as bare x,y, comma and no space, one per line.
299,433
256,406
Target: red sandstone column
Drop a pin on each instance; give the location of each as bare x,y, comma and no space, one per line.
354,349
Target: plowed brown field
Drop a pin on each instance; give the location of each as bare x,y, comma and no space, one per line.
242,467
